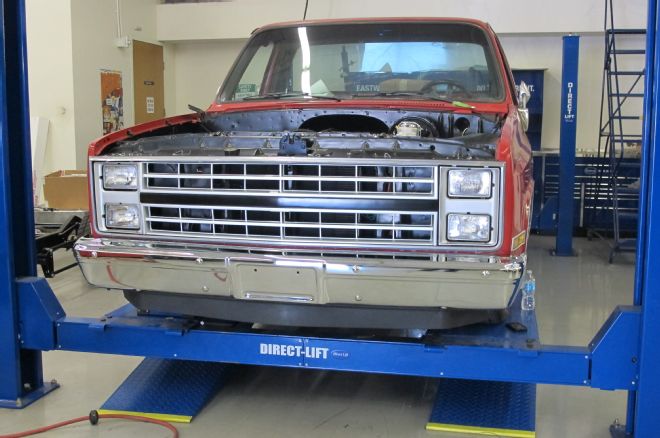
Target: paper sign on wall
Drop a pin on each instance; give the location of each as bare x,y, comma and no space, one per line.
151,105
112,96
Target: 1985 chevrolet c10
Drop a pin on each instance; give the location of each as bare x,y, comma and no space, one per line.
358,173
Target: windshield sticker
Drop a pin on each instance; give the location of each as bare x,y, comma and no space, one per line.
246,90
374,88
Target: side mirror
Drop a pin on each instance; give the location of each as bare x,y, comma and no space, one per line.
523,97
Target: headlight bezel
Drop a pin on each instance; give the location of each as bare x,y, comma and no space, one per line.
491,206
489,185
131,186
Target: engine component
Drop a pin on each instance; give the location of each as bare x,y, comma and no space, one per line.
408,128
292,145
461,126
415,126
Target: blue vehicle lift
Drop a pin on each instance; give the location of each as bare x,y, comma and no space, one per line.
623,355
567,139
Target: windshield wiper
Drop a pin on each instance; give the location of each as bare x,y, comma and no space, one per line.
401,93
281,95
456,103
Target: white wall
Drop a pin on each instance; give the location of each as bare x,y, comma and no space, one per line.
50,78
237,18
508,16
69,42
169,57
223,20
94,32
199,69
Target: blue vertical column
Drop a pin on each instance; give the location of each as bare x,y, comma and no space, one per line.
647,279
648,142
21,379
567,140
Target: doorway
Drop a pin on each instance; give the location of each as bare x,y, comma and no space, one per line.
148,78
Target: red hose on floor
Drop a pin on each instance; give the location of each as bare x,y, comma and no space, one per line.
93,418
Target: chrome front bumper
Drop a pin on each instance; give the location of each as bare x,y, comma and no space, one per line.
451,281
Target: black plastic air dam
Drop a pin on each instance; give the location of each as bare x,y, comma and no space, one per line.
311,315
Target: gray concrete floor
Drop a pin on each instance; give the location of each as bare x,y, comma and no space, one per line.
574,297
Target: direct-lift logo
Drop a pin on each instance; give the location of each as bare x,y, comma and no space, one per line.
287,350
293,351
569,116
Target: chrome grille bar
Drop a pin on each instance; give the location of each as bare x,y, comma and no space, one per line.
327,225
363,180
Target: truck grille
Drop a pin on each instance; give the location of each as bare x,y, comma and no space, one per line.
308,179
221,221
228,216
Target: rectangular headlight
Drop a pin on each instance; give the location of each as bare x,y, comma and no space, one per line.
468,227
120,176
470,183
124,216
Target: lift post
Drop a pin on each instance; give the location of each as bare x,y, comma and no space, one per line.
31,319
21,370
567,139
643,405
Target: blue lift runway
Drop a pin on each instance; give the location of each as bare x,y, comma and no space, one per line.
485,408
167,389
623,355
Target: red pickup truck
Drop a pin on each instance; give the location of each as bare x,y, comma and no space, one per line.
349,173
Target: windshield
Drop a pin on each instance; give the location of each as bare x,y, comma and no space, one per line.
352,61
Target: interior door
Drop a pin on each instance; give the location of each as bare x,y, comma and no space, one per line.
148,77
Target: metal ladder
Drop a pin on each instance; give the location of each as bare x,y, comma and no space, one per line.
620,127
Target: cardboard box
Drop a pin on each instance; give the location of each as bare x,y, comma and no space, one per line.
67,190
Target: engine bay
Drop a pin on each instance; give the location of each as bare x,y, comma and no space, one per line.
325,133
